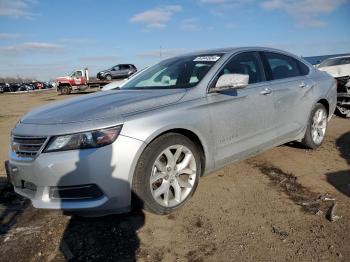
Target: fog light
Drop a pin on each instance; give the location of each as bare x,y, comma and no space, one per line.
80,192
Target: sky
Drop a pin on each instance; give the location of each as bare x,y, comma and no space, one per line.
45,39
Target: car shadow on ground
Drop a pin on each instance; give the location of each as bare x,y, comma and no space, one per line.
341,179
109,238
12,206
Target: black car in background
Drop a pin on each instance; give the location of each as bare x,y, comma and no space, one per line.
14,87
117,71
4,87
26,87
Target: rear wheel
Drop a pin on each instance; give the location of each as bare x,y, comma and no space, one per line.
316,128
167,173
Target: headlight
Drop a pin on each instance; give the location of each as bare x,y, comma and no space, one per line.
90,139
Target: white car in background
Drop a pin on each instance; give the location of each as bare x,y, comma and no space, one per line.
339,68
336,66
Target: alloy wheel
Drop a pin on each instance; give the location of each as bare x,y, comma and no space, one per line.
173,175
319,125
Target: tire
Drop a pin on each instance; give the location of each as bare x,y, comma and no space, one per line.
108,77
176,179
316,127
65,90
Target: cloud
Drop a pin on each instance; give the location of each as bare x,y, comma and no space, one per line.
156,18
4,36
190,24
16,8
162,53
99,58
225,1
306,12
76,41
30,47
326,47
223,7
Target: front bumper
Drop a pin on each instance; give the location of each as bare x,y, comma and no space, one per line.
110,168
101,76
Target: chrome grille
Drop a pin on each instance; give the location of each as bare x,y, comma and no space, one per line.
27,147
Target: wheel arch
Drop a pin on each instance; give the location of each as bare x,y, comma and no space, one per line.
64,84
193,136
325,103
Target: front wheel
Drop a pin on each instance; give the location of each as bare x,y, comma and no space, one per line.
65,90
316,128
167,173
108,77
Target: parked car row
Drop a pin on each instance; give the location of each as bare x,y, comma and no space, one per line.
14,87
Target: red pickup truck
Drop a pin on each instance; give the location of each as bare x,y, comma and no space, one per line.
77,80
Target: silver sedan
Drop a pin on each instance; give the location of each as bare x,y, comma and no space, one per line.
149,141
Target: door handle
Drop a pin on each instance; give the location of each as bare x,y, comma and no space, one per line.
302,85
266,91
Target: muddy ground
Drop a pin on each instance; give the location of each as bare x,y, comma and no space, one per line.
272,207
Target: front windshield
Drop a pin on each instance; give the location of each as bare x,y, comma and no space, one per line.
180,72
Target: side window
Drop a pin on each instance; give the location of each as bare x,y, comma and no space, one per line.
116,68
282,66
77,74
304,70
247,63
198,72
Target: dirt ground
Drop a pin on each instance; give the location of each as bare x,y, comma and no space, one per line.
276,206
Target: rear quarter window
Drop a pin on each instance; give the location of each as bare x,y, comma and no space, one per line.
282,66
304,69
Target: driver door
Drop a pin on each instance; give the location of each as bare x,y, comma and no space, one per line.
77,78
242,119
115,71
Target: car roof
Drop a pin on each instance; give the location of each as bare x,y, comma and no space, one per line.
229,50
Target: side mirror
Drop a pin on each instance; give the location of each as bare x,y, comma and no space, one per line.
231,81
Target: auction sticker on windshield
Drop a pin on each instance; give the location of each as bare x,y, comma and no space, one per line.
212,58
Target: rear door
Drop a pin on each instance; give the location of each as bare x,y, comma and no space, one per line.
291,89
115,71
124,70
242,119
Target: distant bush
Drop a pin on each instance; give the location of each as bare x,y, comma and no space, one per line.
16,80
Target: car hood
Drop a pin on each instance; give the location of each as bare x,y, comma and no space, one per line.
336,71
63,78
112,104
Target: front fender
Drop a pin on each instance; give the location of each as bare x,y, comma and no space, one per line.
64,83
